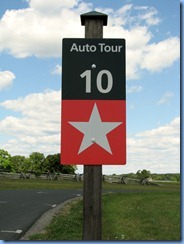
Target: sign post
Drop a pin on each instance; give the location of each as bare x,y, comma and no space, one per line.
93,129
92,191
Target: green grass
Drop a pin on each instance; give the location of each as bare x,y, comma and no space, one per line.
6,184
142,216
147,215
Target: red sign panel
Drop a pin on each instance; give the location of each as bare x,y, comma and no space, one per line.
93,102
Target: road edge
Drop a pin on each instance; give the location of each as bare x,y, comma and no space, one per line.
41,223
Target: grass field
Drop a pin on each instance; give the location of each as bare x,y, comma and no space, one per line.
6,184
142,216
126,216
135,213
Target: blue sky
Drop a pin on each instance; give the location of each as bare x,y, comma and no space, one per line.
31,34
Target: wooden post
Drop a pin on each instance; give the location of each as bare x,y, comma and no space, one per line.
92,191
92,209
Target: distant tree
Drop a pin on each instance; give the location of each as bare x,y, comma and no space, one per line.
178,177
131,175
37,161
166,177
143,176
20,163
5,160
69,169
173,178
158,177
52,163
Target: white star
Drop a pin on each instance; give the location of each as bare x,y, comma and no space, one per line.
95,131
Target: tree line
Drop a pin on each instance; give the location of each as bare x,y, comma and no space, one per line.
145,174
35,163
38,164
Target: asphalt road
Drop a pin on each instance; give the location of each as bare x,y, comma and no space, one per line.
19,209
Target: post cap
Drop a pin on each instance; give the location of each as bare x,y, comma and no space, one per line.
93,15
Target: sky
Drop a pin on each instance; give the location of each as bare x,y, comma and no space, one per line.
31,33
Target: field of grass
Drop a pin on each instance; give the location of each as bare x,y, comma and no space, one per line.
6,184
141,216
136,213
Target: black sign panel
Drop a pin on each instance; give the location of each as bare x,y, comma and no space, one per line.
93,69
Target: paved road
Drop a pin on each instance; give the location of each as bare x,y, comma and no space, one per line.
19,209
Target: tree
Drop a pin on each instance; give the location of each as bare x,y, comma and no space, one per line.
53,164
20,164
143,176
69,169
37,161
178,177
5,160
131,175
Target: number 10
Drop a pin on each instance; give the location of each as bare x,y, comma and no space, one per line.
87,74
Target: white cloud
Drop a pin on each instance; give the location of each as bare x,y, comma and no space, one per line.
166,98
140,54
45,106
6,79
28,32
38,29
171,129
38,128
161,55
136,40
51,6
150,16
57,70
157,150
125,9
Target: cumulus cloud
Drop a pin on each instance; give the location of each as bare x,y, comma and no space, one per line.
141,53
156,149
38,29
6,79
28,32
171,129
51,6
161,55
45,106
38,128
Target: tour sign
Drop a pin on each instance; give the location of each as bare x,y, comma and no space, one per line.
93,129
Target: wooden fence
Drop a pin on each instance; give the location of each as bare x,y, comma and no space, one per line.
119,179
58,176
45,176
